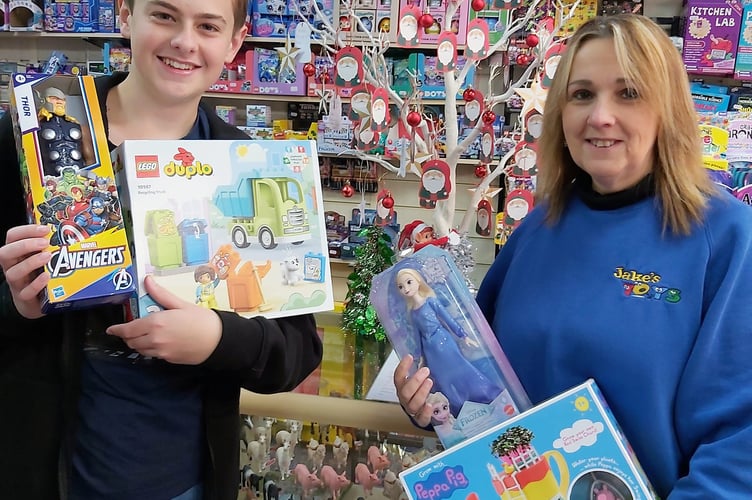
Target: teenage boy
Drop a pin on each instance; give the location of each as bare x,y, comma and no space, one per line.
159,421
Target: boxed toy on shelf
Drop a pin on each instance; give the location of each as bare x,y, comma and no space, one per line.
711,35
233,225
26,15
4,21
274,73
77,16
70,186
427,312
569,447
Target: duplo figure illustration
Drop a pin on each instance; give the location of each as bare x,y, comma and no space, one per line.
453,374
207,280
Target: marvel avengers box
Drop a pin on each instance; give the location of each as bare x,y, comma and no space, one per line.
69,183
229,225
569,447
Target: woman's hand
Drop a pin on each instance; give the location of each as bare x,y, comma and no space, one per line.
183,333
413,391
22,258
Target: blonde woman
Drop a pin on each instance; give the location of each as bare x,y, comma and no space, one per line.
633,269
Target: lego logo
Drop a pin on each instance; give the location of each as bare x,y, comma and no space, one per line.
147,166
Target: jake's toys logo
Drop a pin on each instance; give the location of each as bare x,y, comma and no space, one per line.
645,286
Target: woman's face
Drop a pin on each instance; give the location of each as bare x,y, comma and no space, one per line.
609,129
407,285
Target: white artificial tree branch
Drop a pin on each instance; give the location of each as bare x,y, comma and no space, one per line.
480,190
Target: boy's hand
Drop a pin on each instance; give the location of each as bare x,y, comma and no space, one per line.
183,333
413,391
21,258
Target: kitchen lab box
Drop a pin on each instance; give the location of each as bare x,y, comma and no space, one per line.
70,187
230,225
568,447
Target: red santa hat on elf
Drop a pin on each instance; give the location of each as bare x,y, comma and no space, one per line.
409,233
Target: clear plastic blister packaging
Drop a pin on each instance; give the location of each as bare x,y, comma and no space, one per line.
428,312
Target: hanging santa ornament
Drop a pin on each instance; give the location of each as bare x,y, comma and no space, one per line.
384,208
347,190
532,40
478,5
309,69
481,171
425,21
414,118
468,95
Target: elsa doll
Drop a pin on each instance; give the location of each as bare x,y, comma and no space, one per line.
439,333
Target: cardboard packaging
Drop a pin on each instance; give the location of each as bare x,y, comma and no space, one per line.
230,225
711,35
569,447
70,186
427,311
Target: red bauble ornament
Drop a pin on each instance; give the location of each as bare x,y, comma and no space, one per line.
309,69
414,118
426,20
488,117
324,77
523,60
532,40
468,95
347,190
481,171
388,201
478,5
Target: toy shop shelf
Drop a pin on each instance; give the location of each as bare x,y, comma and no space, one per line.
278,98
47,34
461,161
273,40
360,414
350,263
261,97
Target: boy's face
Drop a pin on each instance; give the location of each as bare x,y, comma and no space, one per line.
179,47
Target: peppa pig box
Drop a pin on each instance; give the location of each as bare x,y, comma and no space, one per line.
427,311
711,35
569,447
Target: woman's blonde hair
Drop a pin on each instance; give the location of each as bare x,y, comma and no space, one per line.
652,66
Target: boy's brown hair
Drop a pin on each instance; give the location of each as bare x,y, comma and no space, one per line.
239,11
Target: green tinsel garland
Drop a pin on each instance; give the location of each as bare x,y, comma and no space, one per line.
372,257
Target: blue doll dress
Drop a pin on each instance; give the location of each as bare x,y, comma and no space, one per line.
452,374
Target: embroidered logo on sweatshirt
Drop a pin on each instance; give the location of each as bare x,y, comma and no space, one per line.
645,285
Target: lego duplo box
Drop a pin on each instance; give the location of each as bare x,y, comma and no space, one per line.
70,187
569,447
230,225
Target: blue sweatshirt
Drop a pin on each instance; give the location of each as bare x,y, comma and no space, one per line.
662,323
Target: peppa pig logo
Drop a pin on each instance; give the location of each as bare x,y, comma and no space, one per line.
441,484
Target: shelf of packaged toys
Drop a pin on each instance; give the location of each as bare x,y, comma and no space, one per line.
83,35
360,414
